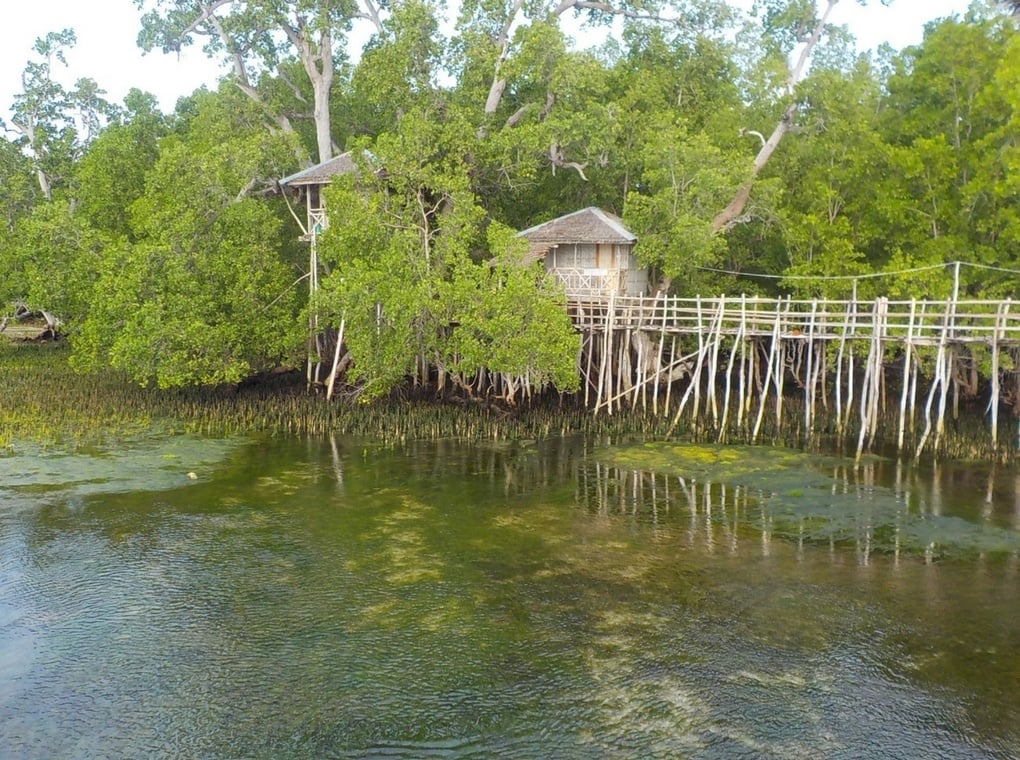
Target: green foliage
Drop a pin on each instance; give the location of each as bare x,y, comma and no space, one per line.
153,243
686,181
52,262
203,296
410,273
398,70
18,189
111,174
510,318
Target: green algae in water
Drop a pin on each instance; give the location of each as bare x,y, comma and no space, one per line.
819,499
142,463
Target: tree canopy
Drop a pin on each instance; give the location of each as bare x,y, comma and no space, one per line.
758,153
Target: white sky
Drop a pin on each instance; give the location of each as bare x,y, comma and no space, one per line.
107,29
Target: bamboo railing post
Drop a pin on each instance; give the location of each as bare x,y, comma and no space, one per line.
938,379
743,363
850,358
779,377
696,378
737,339
809,377
768,372
878,381
604,358
713,369
839,369
865,403
692,388
907,357
590,338
1000,321
658,356
669,378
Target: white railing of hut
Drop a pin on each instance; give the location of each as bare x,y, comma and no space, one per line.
580,281
318,220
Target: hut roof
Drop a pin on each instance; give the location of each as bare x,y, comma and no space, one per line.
323,172
589,225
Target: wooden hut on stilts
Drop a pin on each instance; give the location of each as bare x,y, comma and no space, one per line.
306,186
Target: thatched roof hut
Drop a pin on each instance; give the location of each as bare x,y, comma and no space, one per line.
590,251
307,186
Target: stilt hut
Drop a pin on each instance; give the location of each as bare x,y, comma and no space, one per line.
590,252
307,186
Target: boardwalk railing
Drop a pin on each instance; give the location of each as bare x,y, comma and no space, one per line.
923,322
736,353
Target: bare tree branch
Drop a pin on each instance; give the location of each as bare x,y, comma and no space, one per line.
502,42
557,159
732,214
371,14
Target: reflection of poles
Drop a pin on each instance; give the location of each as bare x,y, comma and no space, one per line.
338,467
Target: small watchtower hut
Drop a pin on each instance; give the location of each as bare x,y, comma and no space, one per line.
590,252
307,186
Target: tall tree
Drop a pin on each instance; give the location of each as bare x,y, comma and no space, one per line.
111,174
792,30
200,293
53,123
262,36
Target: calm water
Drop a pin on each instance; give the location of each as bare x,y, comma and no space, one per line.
341,599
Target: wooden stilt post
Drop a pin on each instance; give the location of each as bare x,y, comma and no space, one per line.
775,356
669,378
696,377
737,340
658,355
779,376
1000,320
809,379
336,359
713,366
907,364
743,378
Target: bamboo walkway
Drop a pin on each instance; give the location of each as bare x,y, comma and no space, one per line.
732,360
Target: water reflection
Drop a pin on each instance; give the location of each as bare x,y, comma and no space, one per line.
339,598
878,507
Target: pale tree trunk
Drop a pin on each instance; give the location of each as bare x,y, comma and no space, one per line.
28,130
241,80
317,60
503,43
732,214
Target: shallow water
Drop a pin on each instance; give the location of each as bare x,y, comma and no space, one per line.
345,599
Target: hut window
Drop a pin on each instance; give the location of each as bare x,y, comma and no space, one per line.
604,256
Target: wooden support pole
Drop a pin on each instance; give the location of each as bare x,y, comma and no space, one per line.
907,364
737,340
1000,321
716,337
809,379
336,360
775,356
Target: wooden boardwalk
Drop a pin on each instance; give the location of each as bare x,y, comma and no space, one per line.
730,359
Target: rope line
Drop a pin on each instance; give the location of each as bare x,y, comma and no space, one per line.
866,276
